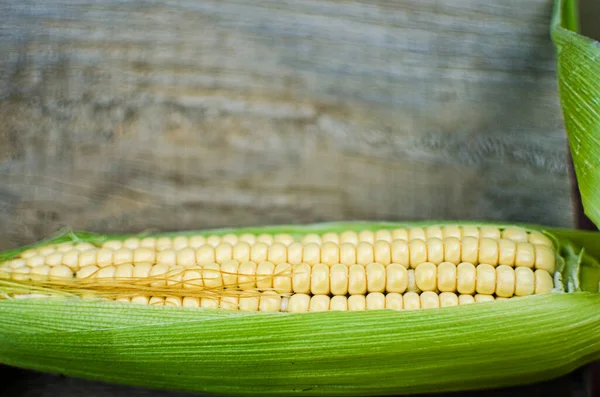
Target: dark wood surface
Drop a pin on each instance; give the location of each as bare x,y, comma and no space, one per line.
128,116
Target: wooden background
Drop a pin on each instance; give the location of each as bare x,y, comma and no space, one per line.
134,115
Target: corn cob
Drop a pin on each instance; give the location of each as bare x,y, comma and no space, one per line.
413,271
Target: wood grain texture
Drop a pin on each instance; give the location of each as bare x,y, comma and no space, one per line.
122,115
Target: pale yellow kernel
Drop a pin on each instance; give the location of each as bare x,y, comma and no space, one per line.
175,276
357,280
213,240
249,303
417,252
375,301
248,238
411,301
40,271
265,238
186,257
488,251
122,255
87,258
37,260
470,249
230,238
87,272
400,252
211,275
416,233
490,232
330,253
277,253
505,281
229,271
319,303
61,271
311,253
247,275
295,253
412,284
112,244
190,301
525,281
400,234
357,303
299,303
382,252
338,303
197,241
156,301
426,276
516,234
29,253
104,257
525,255
23,273
470,231
259,252
465,299
17,263
349,236
393,301
435,250
545,259
148,242
106,272
466,278
446,277
543,282
192,279
434,232
376,280
348,254
301,278
241,251
339,279
158,273
205,254
319,284
131,243
486,279
84,246
141,271
396,278
54,259
383,235
311,238
174,301
144,254
46,250
230,302
366,236
507,250
264,275
64,247
452,250
209,303
451,231
282,281
284,238
270,302
484,298
164,243
223,252
140,300
538,238
448,299
124,271
365,253
168,256
430,300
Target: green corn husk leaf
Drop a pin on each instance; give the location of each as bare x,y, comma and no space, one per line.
578,68
480,346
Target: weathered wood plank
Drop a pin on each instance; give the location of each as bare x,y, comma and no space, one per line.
128,115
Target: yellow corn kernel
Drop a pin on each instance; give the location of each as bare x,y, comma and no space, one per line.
365,253
357,302
417,252
277,253
319,303
393,301
348,253
339,279
400,252
330,253
426,276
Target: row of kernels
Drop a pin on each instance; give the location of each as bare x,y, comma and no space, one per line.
56,248
466,278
